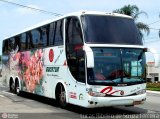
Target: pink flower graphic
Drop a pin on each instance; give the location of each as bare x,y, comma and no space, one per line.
32,67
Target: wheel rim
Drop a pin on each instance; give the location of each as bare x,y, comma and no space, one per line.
17,91
17,88
11,86
62,98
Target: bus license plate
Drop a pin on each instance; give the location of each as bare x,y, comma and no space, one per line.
137,102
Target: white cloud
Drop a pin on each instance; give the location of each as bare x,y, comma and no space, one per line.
26,11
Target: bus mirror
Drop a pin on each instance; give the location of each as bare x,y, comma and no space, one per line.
90,56
156,56
145,50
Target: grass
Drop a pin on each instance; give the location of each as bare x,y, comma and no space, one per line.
154,89
153,86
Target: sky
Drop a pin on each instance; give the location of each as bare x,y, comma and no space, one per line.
14,19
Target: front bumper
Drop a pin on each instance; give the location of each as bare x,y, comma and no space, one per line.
116,101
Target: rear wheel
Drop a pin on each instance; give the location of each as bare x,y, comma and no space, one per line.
17,88
11,86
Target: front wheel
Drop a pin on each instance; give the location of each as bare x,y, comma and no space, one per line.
62,97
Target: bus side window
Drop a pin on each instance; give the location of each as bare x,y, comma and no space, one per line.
51,34
24,42
29,40
11,43
75,54
17,44
35,38
5,47
43,40
59,33
47,35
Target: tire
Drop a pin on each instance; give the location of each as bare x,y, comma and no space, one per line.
62,97
17,88
11,86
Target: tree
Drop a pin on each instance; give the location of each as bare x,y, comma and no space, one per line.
134,12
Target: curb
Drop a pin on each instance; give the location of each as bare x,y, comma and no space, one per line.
155,92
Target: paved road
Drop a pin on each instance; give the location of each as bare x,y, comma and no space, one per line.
29,106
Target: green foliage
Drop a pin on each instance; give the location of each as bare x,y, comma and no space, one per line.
130,10
153,86
154,89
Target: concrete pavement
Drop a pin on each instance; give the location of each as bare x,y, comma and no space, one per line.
155,92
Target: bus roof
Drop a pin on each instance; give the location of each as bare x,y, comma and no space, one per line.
82,12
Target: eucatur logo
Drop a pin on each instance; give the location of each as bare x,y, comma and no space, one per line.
51,55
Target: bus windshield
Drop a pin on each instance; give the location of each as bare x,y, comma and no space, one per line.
117,66
100,29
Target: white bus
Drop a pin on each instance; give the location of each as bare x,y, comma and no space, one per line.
89,59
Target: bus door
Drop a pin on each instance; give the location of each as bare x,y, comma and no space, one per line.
75,60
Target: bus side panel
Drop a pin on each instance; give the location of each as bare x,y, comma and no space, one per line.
5,70
28,67
54,69
39,70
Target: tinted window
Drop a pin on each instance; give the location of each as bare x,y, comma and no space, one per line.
17,44
29,41
59,33
43,38
52,34
11,43
110,30
74,34
75,54
5,47
35,37
24,41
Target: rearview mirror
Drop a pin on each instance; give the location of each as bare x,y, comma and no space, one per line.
90,56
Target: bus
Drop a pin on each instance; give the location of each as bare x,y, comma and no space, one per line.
87,58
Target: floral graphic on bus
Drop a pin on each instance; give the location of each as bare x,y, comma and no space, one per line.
30,68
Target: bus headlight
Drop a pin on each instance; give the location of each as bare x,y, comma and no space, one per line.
96,94
141,92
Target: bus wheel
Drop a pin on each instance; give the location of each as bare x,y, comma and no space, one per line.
17,89
61,95
11,86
